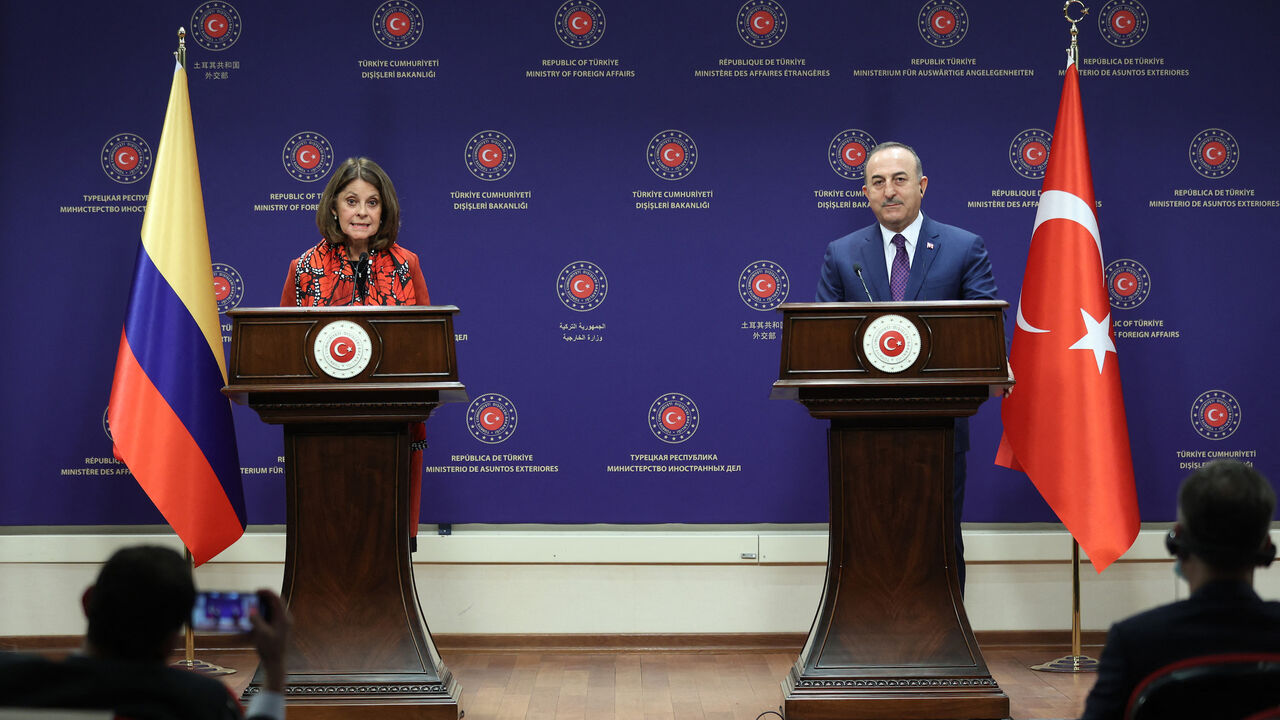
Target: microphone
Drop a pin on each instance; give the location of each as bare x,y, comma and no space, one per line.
857,268
362,276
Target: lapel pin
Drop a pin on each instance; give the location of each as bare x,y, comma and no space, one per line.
929,245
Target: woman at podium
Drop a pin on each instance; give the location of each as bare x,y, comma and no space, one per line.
357,262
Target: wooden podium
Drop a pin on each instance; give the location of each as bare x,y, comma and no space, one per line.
348,383
891,638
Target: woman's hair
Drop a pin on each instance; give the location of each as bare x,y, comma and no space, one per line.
360,168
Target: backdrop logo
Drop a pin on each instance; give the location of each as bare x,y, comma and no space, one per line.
673,418
582,286
672,155
215,25
397,24
1214,153
126,158
1215,415
943,23
762,23
228,287
1123,23
491,418
763,285
308,156
580,23
1128,283
490,155
106,424
1029,153
848,152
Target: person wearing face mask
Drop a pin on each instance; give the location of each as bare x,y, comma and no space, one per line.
908,256
359,262
1222,533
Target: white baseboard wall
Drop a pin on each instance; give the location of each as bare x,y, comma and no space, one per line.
604,579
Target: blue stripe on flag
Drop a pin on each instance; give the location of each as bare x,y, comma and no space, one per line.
175,355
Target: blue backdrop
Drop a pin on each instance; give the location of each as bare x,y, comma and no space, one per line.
656,158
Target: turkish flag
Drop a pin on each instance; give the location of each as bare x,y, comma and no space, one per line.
1064,422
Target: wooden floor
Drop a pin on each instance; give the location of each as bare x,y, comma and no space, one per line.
536,685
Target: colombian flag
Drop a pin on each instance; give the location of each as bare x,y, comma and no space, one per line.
169,420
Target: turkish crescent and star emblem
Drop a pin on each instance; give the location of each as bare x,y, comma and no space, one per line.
492,418
891,343
1064,422
1094,319
342,349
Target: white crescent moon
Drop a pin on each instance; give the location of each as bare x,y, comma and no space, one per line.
1214,415
889,343
486,418
940,22
1061,205
1125,283
487,155
214,25
666,417
1034,153
578,285
670,155
577,23
306,156
758,23
1213,152
123,157
396,23
342,347
762,284
851,155
1122,22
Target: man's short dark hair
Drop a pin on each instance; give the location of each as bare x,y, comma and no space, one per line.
1225,509
141,597
889,145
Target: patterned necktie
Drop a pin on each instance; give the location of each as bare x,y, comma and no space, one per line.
901,269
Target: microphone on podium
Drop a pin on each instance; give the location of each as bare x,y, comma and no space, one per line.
857,269
362,275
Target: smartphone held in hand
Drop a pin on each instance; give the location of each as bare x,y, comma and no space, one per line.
224,612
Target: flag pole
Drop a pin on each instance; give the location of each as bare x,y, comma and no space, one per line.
1077,661
190,662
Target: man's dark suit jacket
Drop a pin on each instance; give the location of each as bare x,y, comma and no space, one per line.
144,691
949,264
1225,617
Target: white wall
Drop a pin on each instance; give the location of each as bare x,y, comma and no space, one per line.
616,580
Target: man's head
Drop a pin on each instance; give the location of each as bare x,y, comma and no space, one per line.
138,604
895,184
1224,516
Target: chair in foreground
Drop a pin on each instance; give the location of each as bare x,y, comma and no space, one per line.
1226,687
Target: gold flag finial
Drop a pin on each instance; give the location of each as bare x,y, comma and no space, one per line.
1073,52
181,53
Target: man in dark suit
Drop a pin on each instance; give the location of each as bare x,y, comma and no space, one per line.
136,609
907,256
1222,533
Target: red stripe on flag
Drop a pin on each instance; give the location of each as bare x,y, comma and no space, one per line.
141,421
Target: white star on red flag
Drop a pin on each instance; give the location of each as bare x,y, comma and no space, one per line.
1097,337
